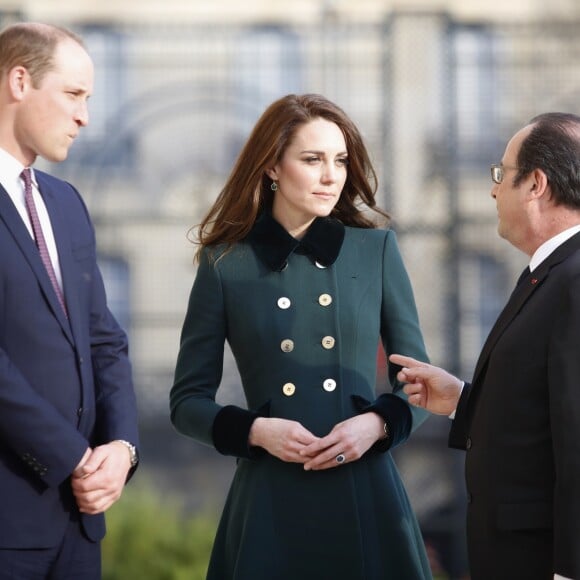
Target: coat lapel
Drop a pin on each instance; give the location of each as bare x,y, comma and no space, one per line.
15,225
519,297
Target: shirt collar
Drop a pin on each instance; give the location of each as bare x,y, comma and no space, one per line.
10,170
274,244
548,247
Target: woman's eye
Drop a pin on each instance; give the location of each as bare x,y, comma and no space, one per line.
342,161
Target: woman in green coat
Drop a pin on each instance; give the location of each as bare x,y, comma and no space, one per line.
295,275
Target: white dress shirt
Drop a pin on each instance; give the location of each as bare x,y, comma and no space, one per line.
10,170
548,247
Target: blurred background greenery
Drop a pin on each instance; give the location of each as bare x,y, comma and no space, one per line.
150,535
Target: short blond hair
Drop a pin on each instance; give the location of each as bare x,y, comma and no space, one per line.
32,45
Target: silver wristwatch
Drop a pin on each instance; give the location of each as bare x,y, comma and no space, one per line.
132,451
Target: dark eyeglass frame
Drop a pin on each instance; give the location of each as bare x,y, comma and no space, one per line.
498,172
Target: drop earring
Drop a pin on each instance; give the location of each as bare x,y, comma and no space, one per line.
274,186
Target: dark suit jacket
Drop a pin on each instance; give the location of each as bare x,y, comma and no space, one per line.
64,384
520,423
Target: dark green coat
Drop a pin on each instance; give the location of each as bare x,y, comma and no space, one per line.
281,522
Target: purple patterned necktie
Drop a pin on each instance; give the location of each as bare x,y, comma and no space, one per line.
39,236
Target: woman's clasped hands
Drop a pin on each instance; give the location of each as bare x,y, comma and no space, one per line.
291,442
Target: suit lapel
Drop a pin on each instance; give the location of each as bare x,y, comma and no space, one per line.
515,303
15,225
519,297
62,240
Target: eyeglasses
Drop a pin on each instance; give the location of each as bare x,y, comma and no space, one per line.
498,172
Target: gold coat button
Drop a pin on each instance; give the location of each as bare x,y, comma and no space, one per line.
287,345
329,385
284,303
325,299
328,342
289,389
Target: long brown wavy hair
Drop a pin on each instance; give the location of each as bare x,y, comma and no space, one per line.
247,190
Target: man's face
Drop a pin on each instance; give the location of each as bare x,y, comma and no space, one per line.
50,116
510,200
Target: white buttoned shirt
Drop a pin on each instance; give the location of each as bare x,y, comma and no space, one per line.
10,170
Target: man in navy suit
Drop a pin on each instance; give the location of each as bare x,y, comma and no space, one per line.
519,418
68,419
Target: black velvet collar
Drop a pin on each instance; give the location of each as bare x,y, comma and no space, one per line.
274,244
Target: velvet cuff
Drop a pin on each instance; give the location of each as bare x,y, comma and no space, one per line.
231,431
396,414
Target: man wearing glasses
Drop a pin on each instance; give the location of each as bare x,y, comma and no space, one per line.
519,418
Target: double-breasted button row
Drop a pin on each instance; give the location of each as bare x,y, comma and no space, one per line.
287,345
284,302
289,389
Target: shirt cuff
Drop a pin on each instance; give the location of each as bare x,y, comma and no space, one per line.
452,415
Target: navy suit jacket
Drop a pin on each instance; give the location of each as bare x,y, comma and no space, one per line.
65,384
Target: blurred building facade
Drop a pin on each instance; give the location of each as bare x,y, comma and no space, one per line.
436,89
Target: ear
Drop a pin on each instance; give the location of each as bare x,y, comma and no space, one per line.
18,82
272,173
538,183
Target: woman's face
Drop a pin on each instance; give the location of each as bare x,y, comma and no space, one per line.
310,176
